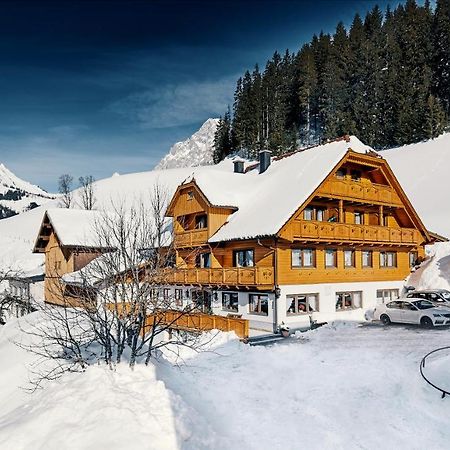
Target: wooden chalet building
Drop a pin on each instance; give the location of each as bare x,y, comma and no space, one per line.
320,234
67,238
323,233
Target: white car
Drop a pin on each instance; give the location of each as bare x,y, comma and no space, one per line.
412,310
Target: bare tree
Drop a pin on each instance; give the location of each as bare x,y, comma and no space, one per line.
65,189
87,193
117,309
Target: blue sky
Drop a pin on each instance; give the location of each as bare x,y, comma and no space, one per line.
97,87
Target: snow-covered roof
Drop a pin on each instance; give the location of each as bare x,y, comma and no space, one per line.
265,202
74,227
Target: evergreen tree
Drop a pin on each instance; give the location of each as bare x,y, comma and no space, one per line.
387,81
222,138
441,60
306,86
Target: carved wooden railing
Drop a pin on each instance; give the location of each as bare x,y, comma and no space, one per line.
191,238
328,231
233,276
361,190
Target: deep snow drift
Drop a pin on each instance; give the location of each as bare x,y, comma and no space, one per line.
340,387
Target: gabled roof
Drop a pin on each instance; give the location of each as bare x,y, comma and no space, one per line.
73,228
267,201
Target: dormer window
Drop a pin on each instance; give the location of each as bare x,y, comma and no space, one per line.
201,221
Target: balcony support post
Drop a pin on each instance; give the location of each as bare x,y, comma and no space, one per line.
381,216
341,211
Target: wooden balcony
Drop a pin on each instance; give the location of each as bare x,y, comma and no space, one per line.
191,238
344,232
197,322
360,190
258,277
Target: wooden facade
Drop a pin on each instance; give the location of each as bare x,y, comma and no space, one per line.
358,211
357,226
61,259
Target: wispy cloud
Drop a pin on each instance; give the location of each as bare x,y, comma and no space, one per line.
177,104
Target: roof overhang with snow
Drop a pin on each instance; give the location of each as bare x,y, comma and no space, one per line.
73,228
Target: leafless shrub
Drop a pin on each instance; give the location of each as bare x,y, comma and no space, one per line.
87,192
115,307
65,189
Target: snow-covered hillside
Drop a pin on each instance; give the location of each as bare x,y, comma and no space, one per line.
423,171
194,151
17,195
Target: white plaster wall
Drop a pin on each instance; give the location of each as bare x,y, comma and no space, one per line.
327,301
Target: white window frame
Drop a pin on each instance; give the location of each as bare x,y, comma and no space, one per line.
327,252
178,297
258,311
232,310
248,262
360,216
300,252
344,305
384,259
308,213
370,253
387,295
293,302
352,259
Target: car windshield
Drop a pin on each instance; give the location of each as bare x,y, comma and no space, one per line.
422,304
446,295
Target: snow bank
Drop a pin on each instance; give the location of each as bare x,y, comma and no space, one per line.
342,387
434,273
97,409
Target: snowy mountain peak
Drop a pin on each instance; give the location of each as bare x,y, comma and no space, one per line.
17,195
194,151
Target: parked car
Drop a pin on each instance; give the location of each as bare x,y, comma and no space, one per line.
413,310
439,297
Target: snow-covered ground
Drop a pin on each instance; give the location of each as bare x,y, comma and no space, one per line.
342,387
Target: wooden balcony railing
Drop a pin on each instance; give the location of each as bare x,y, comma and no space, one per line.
361,190
191,238
327,231
260,277
198,322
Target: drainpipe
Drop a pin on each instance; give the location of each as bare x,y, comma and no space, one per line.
275,279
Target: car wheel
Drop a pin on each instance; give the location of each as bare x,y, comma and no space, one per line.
426,322
385,320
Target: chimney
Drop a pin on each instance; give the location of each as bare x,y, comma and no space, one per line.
238,166
264,160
